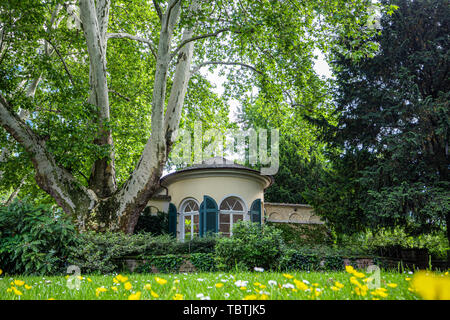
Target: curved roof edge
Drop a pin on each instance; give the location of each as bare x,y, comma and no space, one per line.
216,164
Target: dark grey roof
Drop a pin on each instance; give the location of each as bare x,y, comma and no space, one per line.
216,163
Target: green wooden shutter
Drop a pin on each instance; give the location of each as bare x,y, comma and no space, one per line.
172,220
209,220
255,211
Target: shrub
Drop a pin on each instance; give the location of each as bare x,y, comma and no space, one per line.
155,224
303,234
104,252
203,262
34,239
100,252
165,264
250,246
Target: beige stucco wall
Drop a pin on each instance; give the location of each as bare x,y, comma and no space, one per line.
217,187
161,205
295,213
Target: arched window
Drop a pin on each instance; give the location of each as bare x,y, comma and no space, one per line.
232,209
189,219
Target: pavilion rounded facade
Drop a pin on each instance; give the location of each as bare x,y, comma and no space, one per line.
211,197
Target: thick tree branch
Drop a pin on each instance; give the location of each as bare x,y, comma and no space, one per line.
95,21
158,9
123,35
198,67
56,181
208,35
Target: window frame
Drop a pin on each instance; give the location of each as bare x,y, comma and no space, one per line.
232,213
183,214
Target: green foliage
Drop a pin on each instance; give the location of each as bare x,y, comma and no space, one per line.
380,240
388,148
34,239
103,252
165,264
203,262
155,224
319,258
300,234
250,246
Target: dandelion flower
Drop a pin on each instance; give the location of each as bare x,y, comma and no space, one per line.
19,283
128,286
178,296
154,294
287,275
160,281
219,285
392,285
135,296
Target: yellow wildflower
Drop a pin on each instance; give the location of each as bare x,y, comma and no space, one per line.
28,287
128,286
359,274
349,269
135,296
315,284
354,281
256,284
100,290
338,284
250,297
1,271
264,296
178,296
392,285
219,285
262,286
120,278
89,280
287,275
17,292
51,298
335,288
300,285
147,286
431,287
19,283
243,288
154,294
114,288
160,281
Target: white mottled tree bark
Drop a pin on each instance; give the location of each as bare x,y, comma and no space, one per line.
100,206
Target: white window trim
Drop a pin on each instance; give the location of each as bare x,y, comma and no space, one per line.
244,212
184,214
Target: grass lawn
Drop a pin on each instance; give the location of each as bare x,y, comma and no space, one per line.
214,286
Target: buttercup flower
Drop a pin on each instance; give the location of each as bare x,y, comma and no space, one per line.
135,296
160,281
128,286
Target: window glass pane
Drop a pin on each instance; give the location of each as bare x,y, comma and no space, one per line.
237,217
190,206
187,227
231,204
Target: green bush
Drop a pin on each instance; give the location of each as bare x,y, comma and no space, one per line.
303,234
391,239
250,246
34,240
203,262
155,224
165,264
104,252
